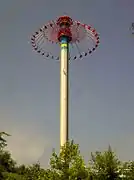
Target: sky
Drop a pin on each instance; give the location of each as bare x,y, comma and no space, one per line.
101,86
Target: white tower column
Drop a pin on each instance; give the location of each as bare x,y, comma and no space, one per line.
64,92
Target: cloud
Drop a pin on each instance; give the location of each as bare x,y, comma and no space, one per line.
26,146
27,142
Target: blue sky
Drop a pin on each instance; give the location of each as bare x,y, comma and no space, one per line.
101,86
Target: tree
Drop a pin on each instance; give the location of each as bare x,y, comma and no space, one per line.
3,142
34,172
128,171
12,176
105,165
7,164
69,164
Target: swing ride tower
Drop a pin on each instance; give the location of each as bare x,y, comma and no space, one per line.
65,32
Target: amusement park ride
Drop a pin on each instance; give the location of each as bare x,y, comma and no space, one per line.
69,35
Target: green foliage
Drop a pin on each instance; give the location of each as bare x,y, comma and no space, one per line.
34,172
128,171
51,174
6,162
67,165
105,165
3,142
13,176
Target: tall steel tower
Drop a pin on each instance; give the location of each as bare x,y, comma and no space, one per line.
68,34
